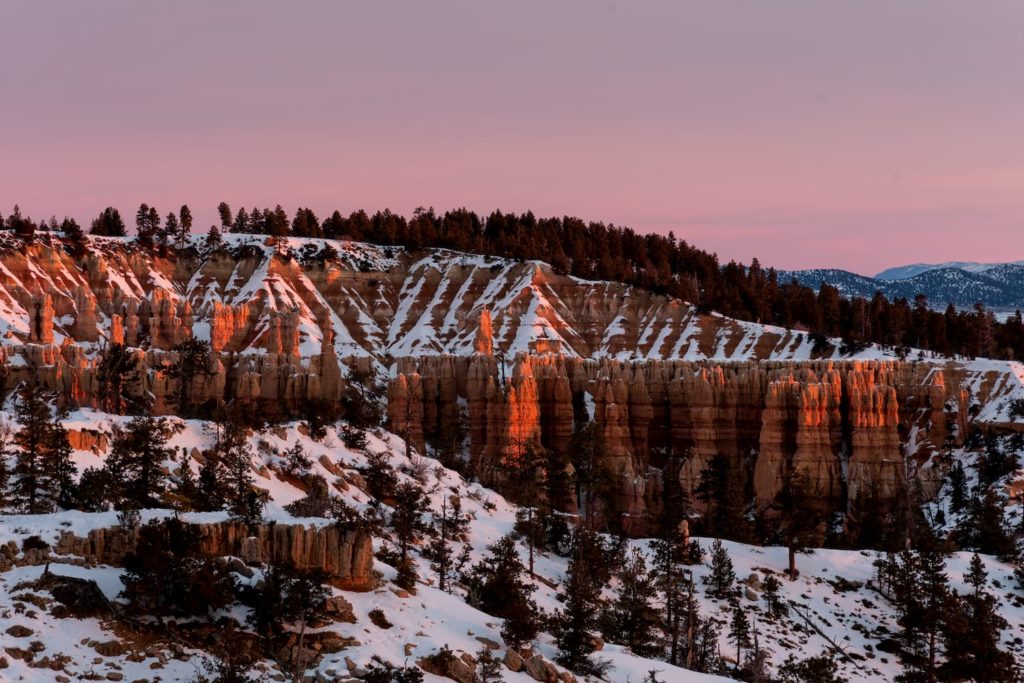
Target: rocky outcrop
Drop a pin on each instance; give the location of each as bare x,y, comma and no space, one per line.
346,556
484,341
840,430
40,323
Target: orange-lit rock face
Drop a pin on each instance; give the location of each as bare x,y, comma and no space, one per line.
484,342
834,427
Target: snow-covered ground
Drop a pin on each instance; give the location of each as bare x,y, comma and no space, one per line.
831,605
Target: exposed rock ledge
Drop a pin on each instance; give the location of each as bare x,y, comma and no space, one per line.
346,556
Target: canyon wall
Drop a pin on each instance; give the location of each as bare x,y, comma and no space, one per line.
844,429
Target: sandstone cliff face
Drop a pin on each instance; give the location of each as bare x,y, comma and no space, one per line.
346,556
841,430
379,302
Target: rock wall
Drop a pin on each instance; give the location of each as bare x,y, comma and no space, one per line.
843,429
274,383
346,556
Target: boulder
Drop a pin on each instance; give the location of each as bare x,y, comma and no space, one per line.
513,661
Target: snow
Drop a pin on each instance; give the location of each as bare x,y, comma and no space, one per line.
433,618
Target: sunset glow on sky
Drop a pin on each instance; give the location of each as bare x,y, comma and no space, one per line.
807,133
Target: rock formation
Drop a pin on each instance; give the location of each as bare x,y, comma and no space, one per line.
838,429
346,556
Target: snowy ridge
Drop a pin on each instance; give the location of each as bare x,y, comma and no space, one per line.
378,301
904,272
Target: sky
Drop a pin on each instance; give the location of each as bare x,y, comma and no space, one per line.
859,134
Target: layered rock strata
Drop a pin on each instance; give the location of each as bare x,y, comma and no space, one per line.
845,430
346,556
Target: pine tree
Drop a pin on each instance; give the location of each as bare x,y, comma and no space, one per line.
632,615
593,480
147,224
108,223
577,620
972,633
441,547
235,457
771,588
983,528
118,381
171,230
722,578
43,469
934,588
407,523
186,488
277,222
816,669
739,631
212,495
957,488
295,462
214,240
557,499
488,667
671,576
136,460
192,362
73,232
524,488
900,574
919,589
167,575
719,490
497,587
224,211
185,225
241,223
800,519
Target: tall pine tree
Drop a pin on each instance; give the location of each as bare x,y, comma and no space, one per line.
136,462
43,471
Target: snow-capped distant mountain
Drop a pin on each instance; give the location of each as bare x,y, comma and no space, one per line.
999,286
909,271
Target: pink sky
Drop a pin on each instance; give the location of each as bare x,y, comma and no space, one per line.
808,133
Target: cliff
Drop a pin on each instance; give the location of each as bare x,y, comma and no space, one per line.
346,556
846,429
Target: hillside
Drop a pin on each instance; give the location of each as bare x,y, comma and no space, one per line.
833,607
379,301
387,416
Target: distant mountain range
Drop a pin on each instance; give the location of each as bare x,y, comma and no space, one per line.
997,285
904,272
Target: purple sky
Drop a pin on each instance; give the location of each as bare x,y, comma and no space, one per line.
809,133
